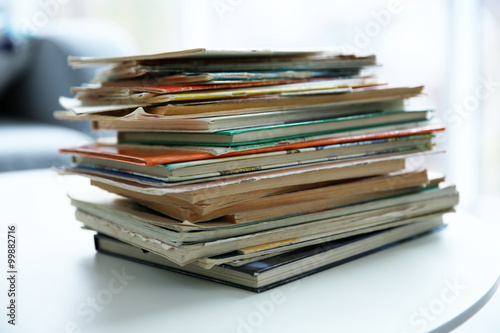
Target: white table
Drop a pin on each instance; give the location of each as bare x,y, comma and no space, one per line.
64,286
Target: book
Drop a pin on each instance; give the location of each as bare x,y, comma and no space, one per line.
202,53
255,162
140,120
155,155
267,103
275,202
312,228
181,93
251,104
132,76
130,215
336,228
255,135
234,184
262,275
98,92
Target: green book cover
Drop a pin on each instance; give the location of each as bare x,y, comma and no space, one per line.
260,134
313,122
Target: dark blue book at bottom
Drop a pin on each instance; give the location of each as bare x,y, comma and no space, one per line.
268,273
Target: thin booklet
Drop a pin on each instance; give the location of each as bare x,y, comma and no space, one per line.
255,135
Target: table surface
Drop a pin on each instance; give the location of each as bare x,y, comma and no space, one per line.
434,282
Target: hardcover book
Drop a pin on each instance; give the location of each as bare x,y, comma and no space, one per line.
268,273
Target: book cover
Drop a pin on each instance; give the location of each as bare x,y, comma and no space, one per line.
140,120
202,53
126,212
266,103
261,134
257,276
222,166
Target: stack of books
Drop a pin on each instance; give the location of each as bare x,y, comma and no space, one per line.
252,168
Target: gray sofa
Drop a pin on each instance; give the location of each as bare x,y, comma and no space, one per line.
34,73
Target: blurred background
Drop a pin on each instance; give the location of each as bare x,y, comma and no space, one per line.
450,46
